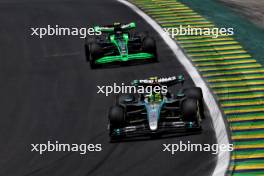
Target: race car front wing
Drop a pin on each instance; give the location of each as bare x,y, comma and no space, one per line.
165,128
120,58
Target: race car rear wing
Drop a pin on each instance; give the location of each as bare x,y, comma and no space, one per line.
111,28
168,81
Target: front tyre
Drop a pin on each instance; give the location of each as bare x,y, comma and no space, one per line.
196,93
190,110
87,52
116,117
88,41
149,46
116,120
95,52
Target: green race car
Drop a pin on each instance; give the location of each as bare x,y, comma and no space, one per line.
118,44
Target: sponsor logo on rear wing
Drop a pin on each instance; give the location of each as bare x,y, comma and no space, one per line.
152,80
104,29
128,26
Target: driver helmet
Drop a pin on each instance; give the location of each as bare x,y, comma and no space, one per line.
154,97
154,79
117,27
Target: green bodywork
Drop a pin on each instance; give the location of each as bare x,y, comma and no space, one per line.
121,42
107,59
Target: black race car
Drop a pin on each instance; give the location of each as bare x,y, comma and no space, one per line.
156,113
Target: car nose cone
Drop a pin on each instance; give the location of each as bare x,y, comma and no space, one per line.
153,116
153,126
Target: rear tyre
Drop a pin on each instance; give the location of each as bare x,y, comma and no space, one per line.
143,35
90,40
194,92
125,98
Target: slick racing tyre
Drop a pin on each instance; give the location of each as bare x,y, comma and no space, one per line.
87,52
190,110
149,46
125,98
95,52
116,117
88,41
196,93
143,35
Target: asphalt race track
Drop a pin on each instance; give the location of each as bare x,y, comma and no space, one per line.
49,92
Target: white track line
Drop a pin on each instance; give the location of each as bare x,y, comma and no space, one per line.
216,115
